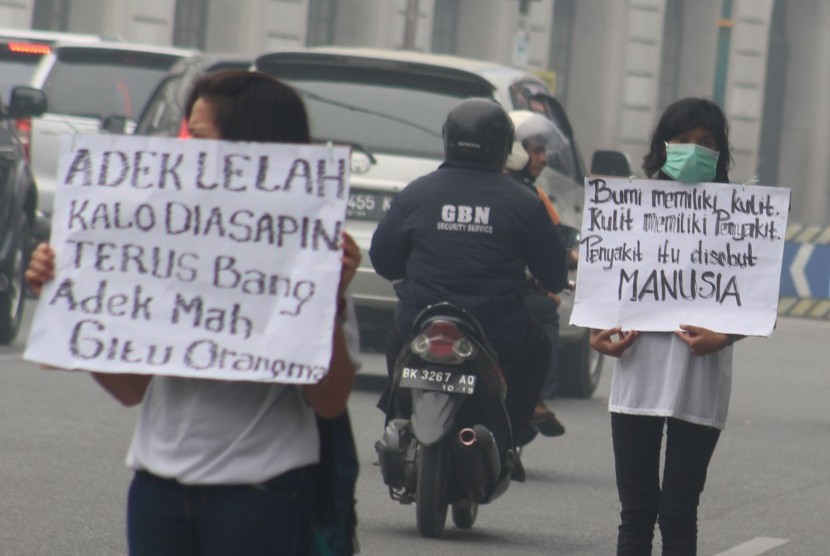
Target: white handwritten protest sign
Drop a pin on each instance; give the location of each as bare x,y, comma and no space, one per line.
194,258
657,254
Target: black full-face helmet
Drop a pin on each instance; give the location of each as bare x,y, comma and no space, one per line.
478,130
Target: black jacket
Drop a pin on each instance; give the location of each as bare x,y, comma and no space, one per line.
465,235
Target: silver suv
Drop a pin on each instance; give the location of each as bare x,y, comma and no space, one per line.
89,87
390,106
22,49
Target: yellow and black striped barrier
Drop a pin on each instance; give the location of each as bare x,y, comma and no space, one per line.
804,307
818,235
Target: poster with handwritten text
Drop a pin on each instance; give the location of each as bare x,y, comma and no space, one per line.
195,258
657,254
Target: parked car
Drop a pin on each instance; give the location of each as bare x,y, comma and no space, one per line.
89,88
22,49
390,107
18,200
163,115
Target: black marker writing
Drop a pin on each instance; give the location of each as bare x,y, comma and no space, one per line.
663,285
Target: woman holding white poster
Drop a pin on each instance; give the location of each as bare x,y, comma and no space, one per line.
679,381
231,467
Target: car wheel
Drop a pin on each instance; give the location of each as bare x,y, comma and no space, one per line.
580,369
13,298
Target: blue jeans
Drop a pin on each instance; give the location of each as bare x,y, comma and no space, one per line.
166,518
689,447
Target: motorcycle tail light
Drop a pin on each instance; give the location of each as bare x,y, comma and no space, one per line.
442,342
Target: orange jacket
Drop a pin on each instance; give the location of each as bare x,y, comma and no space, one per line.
554,216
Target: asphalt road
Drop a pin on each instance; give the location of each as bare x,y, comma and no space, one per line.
63,481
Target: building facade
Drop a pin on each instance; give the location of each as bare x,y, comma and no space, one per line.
615,64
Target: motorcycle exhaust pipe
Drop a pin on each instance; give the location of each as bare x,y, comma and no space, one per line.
486,442
477,454
467,437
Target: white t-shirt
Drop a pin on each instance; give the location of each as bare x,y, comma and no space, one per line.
659,375
204,432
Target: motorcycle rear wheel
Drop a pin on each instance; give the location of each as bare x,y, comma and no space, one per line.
464,517
431,493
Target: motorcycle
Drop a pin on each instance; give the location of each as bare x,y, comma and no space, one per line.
447,440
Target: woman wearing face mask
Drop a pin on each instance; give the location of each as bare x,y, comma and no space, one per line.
677,381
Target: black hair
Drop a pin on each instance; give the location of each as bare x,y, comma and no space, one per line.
252,106
680,117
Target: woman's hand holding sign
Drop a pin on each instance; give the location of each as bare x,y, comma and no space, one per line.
603,340
41,268
703,341
351,261
128,389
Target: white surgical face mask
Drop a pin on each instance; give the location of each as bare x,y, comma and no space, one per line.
690,163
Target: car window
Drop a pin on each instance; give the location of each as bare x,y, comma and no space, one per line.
563,160
164,112
530,95
381,109
99,82
18,62
573,164
522,93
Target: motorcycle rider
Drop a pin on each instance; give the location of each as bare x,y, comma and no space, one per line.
465,234
536,141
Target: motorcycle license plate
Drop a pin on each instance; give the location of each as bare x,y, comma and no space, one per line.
440,381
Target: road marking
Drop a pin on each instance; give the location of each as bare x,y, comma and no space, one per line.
756,546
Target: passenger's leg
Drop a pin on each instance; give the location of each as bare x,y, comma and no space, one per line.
525,368
394,344
543,309
552,377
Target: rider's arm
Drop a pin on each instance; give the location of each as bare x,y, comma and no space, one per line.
390,246
545,254
554,216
